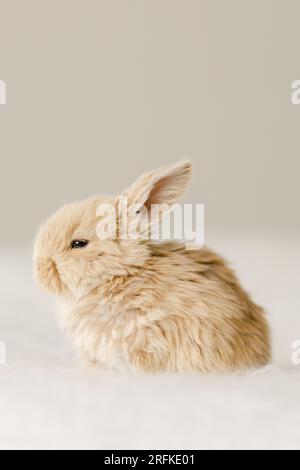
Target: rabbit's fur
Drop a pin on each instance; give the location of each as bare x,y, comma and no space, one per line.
147,306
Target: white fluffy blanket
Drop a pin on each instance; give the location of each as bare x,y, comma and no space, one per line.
48,401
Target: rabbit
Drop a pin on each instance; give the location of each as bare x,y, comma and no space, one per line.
142,305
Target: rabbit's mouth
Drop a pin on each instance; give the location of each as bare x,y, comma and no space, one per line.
48,276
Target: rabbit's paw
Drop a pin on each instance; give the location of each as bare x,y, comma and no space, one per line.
146,361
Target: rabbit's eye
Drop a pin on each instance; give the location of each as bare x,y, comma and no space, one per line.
78,244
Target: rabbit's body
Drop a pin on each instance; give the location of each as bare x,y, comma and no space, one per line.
150,307
184,311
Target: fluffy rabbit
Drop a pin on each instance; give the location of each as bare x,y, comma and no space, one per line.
144,305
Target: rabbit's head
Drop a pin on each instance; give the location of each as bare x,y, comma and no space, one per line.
89,241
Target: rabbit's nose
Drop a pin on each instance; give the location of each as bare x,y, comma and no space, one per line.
47,274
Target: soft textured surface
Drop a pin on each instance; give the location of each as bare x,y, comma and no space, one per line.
48,401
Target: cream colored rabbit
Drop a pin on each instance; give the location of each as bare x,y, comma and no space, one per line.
147,306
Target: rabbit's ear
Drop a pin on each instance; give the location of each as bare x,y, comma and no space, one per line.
164,186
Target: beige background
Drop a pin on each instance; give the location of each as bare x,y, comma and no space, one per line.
98,91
